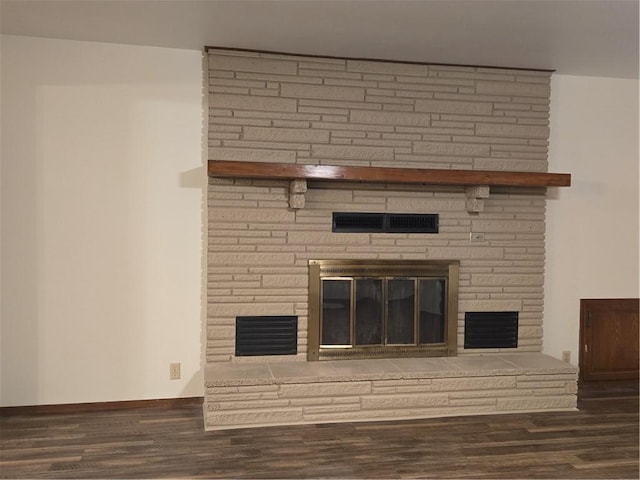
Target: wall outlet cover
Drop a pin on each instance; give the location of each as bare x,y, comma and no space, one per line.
174,371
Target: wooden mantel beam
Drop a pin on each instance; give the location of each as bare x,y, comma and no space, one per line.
292,171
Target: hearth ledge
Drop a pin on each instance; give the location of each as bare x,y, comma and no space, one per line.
295,393
234,374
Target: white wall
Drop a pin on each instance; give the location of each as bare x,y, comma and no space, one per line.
592,226
102,181
102,213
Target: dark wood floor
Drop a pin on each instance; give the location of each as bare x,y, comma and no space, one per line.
599,441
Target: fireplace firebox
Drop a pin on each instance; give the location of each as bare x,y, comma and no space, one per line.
378,309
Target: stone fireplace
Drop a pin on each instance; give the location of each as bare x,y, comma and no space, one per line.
272,250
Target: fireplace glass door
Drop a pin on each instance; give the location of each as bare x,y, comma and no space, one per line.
377,312
361,312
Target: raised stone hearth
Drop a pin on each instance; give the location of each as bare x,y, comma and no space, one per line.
288,393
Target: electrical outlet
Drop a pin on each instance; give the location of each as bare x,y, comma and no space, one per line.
476,236
566,356
174,371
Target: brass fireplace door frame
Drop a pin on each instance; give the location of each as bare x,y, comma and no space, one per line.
319,269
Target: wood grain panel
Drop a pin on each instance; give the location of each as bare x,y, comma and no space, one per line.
290,171
609,339
101,406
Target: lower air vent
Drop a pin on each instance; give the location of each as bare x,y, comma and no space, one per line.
384,222
266,335
491,330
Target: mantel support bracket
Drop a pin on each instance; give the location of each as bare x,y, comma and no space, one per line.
475,197
297,189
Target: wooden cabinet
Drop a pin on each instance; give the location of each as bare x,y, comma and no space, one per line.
609,339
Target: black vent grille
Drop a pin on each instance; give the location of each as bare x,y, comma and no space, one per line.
266,335
358,222
344,222
412,223
491,330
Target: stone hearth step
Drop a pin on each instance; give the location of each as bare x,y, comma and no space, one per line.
297,392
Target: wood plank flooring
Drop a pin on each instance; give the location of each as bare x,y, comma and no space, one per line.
598,441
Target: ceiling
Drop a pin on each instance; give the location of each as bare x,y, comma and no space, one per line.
573,37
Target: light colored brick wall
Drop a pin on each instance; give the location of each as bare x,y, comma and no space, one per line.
293,109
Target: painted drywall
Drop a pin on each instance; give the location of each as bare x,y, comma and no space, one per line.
102,214
102,217
592,227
